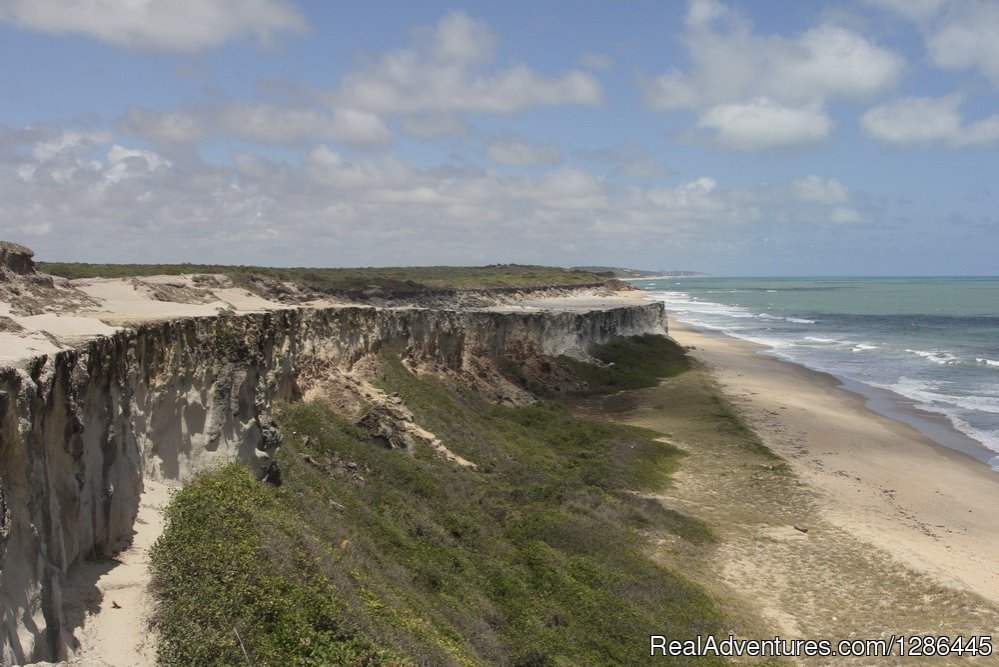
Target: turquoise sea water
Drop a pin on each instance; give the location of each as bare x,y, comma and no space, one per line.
926,343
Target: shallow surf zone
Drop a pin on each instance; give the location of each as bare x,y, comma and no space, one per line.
920,349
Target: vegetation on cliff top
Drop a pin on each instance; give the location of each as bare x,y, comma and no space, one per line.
366,555
413,279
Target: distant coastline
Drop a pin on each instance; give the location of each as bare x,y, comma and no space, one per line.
640,274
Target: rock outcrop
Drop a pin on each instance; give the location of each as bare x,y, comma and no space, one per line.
29,292
15,259
80,429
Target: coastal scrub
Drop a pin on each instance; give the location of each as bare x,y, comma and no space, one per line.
538,556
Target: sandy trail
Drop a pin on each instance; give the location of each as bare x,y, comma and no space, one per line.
118,608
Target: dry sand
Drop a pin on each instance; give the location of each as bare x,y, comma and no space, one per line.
113,594
117,302
878,479
580,302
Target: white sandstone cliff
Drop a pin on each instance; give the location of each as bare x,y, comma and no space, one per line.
83,425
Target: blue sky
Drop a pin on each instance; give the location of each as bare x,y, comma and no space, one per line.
740,138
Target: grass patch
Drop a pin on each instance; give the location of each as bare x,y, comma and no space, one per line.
633,362
233,567
536,558
732,425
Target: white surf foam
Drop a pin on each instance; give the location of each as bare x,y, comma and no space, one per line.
937,357
857,360
820,339
928,394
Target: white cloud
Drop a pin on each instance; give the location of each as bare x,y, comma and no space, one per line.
818,190
967,38
445,72
36,229
959,34
65,142
522,153
846,215
129,162
260,122
831,61
701,12
732,63
686,193
928,120
565,188
671,91
273,123
912,9
358,128
170,25
269,123
169,128
327,167
444,75
760,91
369,209
56,154
763,123
697,209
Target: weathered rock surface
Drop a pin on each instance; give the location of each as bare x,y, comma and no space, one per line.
29,292
16,258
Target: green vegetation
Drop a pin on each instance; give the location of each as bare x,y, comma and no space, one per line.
233,569
732,426
364,554
398,280
630,363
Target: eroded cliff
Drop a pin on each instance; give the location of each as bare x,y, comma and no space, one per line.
81,428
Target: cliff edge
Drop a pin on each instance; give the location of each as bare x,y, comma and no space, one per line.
105,383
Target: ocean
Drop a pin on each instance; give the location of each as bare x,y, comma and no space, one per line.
923,350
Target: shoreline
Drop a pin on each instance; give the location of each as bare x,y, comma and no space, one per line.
935,426
880,479
948,400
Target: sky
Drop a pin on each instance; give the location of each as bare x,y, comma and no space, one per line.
735,137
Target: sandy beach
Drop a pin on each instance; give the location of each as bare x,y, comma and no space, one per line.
862,529
879,479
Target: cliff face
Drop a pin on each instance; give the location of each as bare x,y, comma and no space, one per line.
81,429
